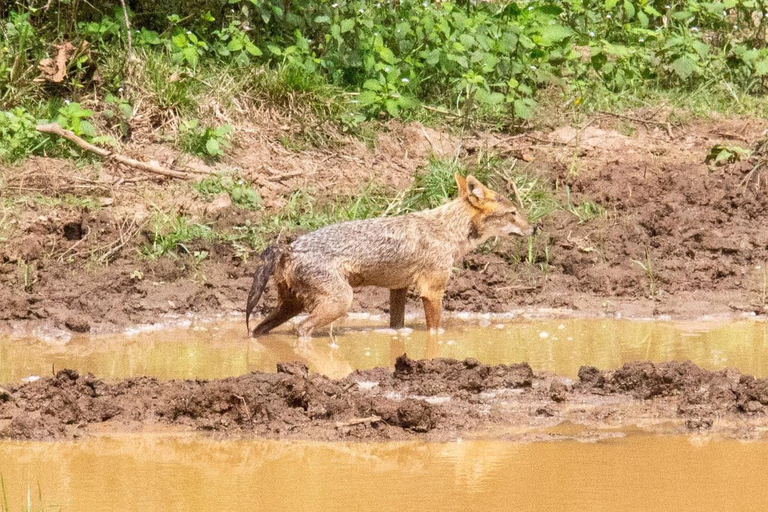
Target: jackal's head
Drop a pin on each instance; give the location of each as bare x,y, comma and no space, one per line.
492,214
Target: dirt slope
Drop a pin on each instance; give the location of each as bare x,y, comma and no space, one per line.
702,230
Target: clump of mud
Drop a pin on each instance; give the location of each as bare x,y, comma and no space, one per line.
432,399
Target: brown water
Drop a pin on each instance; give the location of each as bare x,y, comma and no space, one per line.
168,473
211,350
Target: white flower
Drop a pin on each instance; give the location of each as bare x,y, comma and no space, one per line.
735,27
533,67
530,7
608,16
120,89
694,29
334,5
725,13
361,11
591,34
405,80
188,32
246,27
386,70
66,102
641,40
667,6
355,101
425,4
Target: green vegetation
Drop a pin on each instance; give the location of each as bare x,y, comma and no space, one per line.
352,60
207,142
28,506
172,234
241,192
435,184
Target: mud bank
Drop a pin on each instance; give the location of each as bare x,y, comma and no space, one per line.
434,399
676,236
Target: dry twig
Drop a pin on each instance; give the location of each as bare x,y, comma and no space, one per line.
151,167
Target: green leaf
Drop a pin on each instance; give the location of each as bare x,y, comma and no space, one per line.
274,49
372,85
433,57
252,49
104,139
610,4
126,110
213,147
235,45
643,19
551,34
87,129
682,15
191,56
761,67
347,25
685,66
489,98
629,9
387,55
523,110
367,98
393,108
322,19
179,40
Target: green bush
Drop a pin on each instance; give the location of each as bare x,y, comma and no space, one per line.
18,137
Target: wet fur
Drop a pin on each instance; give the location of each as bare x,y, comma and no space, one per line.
317,272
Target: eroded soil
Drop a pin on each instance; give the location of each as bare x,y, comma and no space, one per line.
679,237
431,399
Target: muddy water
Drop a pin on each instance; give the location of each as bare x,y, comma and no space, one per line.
211,350
177,472
165,473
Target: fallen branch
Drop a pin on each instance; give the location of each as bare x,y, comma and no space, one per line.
128,30
151,167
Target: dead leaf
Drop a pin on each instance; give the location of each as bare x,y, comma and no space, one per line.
55,69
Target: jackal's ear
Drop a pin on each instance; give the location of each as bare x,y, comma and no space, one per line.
462,184
476,192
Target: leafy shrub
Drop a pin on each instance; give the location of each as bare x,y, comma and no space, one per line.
18,137
206,142
241,192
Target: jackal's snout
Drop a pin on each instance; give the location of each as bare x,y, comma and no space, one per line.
519,225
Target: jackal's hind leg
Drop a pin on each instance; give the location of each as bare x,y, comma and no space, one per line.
397,308
288,306
327,309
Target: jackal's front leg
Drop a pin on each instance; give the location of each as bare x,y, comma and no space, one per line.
433,309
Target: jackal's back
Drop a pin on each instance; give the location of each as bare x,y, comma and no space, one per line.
386,252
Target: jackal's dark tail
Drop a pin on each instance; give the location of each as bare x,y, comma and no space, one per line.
269,259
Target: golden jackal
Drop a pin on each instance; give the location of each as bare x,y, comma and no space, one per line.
316,273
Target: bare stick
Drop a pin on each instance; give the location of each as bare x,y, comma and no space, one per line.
151,167
128,29
358,421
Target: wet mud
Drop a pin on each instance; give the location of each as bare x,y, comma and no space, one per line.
702,230
435,399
